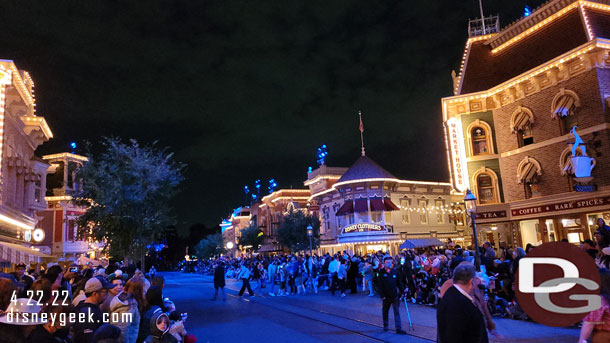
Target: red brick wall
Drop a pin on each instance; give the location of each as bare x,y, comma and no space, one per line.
590,113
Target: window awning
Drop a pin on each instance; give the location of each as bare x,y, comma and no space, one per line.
16,253
420,242
565,106
377,205
520,121
361,206
347,208
389,205
528,174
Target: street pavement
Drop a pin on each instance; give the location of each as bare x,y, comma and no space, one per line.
316,317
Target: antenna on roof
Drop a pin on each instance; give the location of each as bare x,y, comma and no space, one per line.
482,17
361,132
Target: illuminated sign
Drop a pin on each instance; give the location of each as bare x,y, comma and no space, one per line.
5,76
458,154
38,235
364,227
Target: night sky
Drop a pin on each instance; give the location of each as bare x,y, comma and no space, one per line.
246,90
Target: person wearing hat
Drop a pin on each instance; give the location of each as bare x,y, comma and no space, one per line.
19,320
96,290
159,329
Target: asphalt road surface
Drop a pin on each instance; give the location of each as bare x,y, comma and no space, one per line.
315,317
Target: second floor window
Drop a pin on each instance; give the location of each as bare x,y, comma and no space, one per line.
480,144
423,211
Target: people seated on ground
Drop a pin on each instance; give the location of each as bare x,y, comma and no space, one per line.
126,308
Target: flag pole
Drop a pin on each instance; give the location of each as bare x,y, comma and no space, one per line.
361,132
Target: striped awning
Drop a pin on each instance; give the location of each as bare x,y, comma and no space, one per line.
15,253
528,173
565,106
520,121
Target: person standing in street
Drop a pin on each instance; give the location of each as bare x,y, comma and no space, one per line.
244,275
390,290
219,280
458,318
333,268
271,273
342,277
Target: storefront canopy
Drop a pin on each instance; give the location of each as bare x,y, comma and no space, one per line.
420,242
16,253
361,206
347,208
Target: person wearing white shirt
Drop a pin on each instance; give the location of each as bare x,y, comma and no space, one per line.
333,268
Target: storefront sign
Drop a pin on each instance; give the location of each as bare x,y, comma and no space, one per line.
364,227
455,137
5,76
491,215
561,206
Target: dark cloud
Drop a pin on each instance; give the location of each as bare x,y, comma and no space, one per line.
242,90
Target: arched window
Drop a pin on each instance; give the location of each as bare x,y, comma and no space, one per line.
521,124
564,164
487,189
479,138
528,172
563,108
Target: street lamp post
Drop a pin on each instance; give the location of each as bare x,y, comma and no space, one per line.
471,203
310,234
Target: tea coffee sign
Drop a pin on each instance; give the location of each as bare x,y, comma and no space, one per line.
363,227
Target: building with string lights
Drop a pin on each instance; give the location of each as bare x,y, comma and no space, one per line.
59,219
365,209
519,92
22,174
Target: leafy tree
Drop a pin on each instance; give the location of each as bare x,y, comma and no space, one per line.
127,191
292,232
210,246
251,236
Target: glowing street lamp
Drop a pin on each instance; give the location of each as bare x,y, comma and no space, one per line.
310,234
229,245
470,202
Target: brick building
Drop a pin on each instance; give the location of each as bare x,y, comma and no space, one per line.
518,93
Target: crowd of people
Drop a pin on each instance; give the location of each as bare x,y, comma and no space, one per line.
86,304
424,274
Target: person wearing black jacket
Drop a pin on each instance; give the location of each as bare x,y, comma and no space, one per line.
458,318
219,280
390,288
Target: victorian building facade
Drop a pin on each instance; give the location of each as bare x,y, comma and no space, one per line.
518,94
365,208
59,219
22,174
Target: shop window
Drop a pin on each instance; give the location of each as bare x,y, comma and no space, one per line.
405,204
563,107
486,182
376,217
565,167
388,218
521,124
350,219
440,216
479,137
423,211
480,145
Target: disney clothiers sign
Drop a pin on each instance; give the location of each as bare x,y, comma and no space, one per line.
363,227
